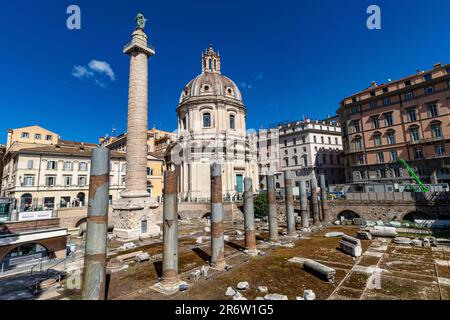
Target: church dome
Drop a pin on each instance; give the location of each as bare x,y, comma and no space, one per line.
211,82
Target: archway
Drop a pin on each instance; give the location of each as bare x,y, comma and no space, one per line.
25,254
25,202
348,215
419,215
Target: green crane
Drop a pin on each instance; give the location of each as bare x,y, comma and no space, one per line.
413,188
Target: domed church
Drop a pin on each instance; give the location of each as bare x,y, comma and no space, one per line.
212,128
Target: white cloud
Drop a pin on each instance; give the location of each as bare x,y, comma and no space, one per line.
102,67
246,85
81,72
96,69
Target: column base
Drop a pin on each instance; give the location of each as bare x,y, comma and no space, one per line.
251,252
167,288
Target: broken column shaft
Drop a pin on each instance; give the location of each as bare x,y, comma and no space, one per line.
94,275
289,198
170,232
324,197
249,218
273,219
217,239
304,205
315,202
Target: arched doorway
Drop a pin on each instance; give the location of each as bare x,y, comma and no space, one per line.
419,215
348,215
26,202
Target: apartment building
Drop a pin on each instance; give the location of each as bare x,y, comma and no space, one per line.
404,119
301,147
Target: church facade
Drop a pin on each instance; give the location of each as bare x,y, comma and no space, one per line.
212,128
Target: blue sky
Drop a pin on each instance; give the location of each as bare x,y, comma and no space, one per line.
290,58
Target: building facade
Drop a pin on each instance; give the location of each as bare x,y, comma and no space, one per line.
405,119
212,127
301,147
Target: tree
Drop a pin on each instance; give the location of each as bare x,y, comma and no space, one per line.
261,205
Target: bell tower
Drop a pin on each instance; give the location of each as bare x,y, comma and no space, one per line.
210,60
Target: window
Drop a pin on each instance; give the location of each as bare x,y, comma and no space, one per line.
433,111
377,140
394,155
28,181
373,105
82,181
50,181
206,120
286,162
415,135
357,143
409,95
295,151
380,157
427,77
429,90
354,99
389,119
385,90
331,159
336,140
440,151
372,93
448,70
37,136
295,141
30,164
324,160
25,135
149,171
329,140
232,122
49,203
295,161
315,139
52,165
285,143
418,154
375,122
67,181
359,159
437,131
83,166
354,109
391,137
49,137
386,101
412,115
407,83
322,140
65,201
123,180
356,127
68,166
124,167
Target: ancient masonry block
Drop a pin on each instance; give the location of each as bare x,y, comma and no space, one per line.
351,246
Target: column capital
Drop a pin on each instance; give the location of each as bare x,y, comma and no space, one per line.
138,43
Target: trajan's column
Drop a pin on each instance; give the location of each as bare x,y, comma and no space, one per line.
134,212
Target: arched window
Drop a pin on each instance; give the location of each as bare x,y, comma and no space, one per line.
391,137
357,143
232,122
437,130
149,171
415,134
207,120
377,139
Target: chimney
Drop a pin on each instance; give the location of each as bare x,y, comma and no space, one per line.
437,65
373,84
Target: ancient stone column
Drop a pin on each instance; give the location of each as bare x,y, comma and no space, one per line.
249,218
217,239
324,197
170,279
273,218
315,202
94,275
304,205
134,212
289,198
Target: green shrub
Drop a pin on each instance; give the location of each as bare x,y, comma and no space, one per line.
261,205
